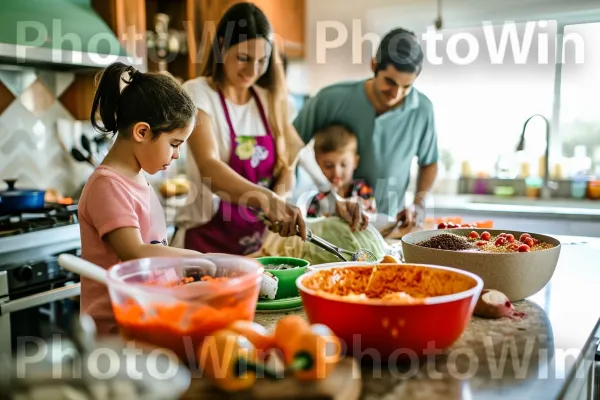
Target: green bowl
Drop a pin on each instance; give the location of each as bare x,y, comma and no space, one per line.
287,277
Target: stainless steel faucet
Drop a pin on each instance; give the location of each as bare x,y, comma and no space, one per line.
547,186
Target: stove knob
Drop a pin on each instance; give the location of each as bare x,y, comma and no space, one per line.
24,273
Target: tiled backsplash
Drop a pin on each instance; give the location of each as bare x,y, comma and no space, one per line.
30,149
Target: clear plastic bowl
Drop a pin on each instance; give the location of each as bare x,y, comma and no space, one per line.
149,308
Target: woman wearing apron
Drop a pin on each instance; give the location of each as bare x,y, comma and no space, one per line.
242,153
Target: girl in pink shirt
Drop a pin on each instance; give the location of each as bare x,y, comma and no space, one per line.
119,213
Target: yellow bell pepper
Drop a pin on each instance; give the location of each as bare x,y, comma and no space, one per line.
228,359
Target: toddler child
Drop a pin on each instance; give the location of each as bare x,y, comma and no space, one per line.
336,153
120,215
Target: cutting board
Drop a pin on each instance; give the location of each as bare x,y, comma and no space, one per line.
344,383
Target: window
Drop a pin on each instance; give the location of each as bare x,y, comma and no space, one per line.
513,73
580,98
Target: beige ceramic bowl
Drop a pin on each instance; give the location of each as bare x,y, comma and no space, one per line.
517,275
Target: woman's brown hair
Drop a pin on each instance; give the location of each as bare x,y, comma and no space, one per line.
241,22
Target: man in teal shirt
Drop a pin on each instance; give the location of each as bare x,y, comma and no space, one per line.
394,123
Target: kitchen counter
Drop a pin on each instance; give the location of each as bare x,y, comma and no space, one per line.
497,205
548,354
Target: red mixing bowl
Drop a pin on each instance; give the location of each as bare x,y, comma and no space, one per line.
374,328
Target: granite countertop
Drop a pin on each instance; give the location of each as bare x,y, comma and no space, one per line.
545,355
551,208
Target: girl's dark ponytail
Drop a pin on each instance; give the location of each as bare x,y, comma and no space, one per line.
154,98
106,99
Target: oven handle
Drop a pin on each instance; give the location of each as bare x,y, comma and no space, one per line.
39,299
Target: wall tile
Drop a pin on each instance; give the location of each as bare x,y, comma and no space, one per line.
48,78
16,80
37,98
63,81
29,147
6,97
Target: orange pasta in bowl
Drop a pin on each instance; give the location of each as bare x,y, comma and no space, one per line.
391,306
407,284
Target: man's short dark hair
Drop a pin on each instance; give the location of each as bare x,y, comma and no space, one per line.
401,49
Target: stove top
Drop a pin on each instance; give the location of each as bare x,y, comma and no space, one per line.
51,216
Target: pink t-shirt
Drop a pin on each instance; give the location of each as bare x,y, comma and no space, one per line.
111,201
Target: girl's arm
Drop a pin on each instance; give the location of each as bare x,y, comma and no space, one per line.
128,244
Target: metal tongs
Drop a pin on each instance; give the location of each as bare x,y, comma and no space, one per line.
359,255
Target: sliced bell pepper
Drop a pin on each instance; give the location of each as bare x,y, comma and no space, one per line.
286,333
257,334
230,361
315,353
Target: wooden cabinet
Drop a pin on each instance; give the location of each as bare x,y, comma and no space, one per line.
192,20
127,19
184,27
288,18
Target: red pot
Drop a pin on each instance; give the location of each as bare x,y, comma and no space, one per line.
384,332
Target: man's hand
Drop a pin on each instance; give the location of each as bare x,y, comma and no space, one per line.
411,216
406,217
351,212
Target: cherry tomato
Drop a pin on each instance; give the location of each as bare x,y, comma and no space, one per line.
500,241
513,247
524,236
528,241
442,225
510,237
474,235
486,235
502,234
523,248
451,225
481,243
535,241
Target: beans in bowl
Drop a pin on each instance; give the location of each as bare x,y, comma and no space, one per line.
485,242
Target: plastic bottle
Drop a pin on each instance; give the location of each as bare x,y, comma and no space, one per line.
480,186
579,186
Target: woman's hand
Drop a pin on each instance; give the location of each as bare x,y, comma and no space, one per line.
286,219
351,212
285,183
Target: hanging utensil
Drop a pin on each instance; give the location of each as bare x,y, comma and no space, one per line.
87,146
79,156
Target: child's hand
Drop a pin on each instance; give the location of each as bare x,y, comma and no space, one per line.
352,212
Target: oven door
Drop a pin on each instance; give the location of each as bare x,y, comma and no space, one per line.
14,309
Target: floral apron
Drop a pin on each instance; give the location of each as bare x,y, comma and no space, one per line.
235,229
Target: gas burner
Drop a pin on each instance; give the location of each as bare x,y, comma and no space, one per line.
53,215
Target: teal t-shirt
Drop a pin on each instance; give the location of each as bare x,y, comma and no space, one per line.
387,143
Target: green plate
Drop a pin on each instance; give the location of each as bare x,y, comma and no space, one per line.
291,303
